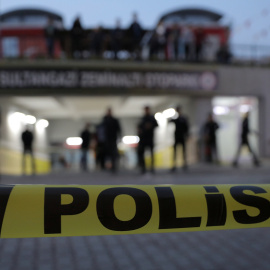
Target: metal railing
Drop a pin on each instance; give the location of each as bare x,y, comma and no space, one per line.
24,47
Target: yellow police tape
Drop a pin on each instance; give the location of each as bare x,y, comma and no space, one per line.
45,211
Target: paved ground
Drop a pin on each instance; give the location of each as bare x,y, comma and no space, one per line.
232,249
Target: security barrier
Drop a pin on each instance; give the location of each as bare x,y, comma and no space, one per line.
49,210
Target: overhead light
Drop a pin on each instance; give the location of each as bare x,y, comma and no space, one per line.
42,123
74,141
221,110
244,108
169,113
30,119
162,121
159,116
130,139
15,121
19,116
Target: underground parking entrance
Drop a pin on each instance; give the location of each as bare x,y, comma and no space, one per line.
70,95
57,122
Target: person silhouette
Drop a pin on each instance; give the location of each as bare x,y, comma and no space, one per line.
50,33
245,142
180,136
27,138
209,131
146,129
135,33
86,137
100,138
112,132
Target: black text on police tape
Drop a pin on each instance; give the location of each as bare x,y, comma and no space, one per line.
216,208
215,201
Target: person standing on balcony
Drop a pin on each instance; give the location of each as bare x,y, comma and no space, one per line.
199,41
161,39
50,32
77,38
97,42
135,31
117,38
188,41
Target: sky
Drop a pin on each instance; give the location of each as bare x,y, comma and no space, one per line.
250,19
